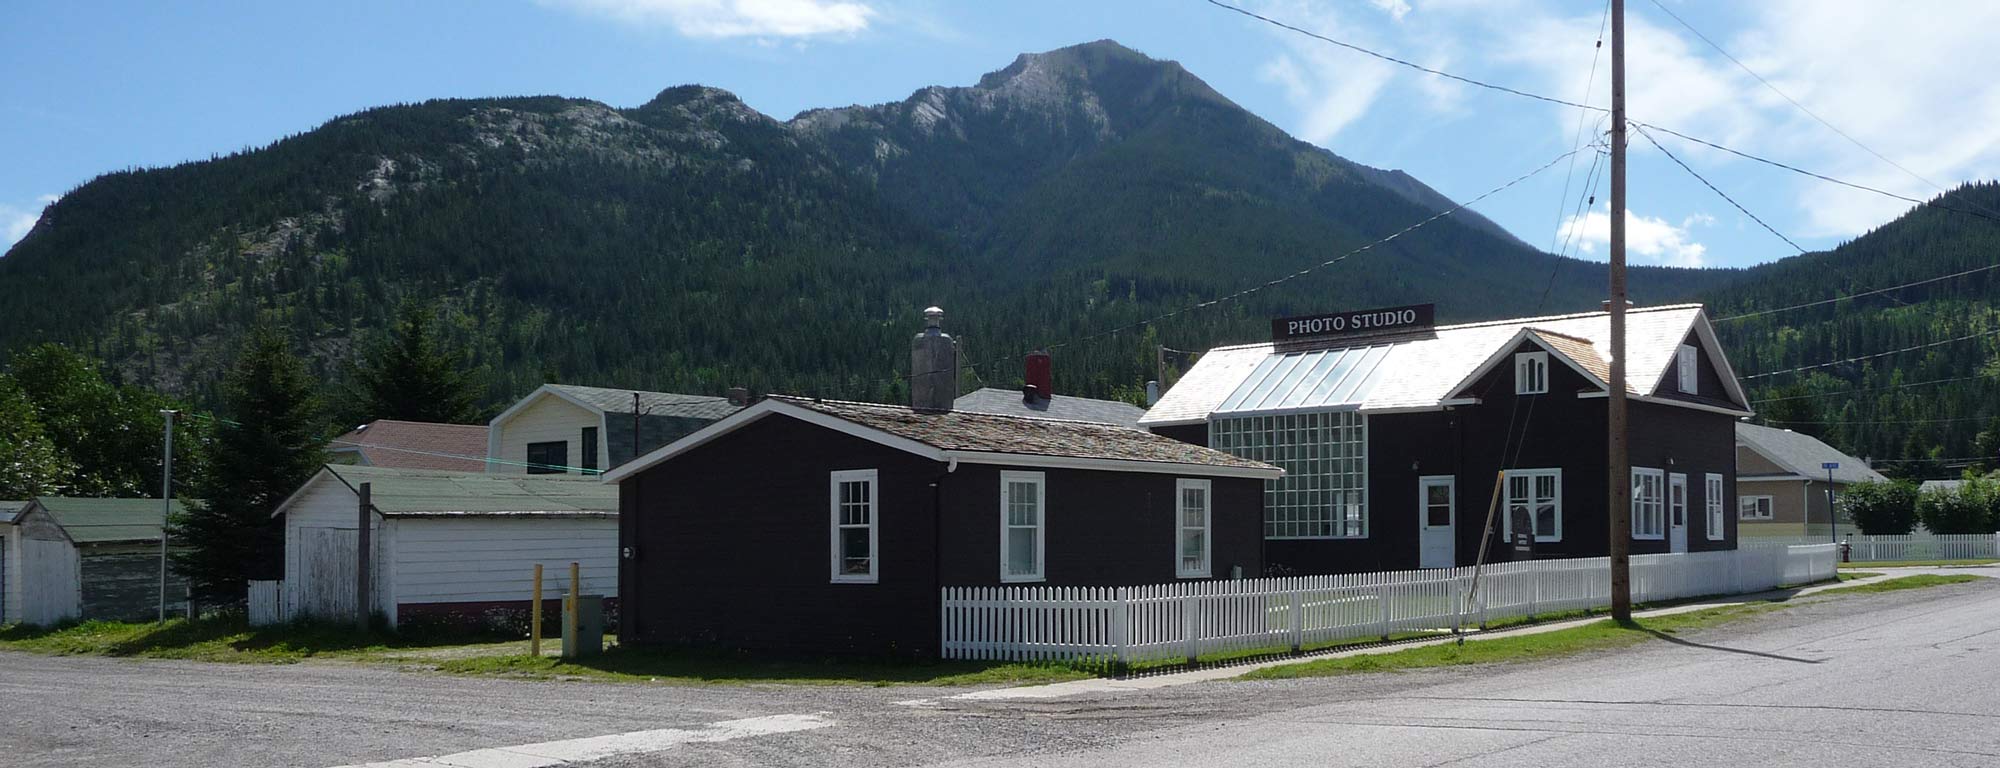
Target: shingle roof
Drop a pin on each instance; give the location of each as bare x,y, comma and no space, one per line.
1008,402
430,493
1803,454
1421,372
653,403
983,432
8,509
417,445
89,521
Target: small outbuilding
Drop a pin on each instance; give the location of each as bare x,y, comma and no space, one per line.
10,562
452,546
77,558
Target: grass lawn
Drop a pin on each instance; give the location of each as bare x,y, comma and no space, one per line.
1852,575
1908,582
230,639
1602,635
1918,563
683,667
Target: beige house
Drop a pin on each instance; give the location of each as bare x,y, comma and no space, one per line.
1781,483
568,429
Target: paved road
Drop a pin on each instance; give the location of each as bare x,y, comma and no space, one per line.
1907,678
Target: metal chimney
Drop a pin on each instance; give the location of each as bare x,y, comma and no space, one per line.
1152,393
933,366
1038,379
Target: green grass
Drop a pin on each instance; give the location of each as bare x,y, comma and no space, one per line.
1918,563
1852,575
685,667
1908,582
1596,636
229,639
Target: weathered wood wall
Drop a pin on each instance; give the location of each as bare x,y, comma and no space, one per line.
121,582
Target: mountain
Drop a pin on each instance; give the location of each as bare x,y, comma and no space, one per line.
692,243
1883,406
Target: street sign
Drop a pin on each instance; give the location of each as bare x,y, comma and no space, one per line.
1829,465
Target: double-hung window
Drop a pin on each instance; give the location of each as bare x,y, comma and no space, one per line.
1649,504
1690,372
1537,494
852,498
1712,502
1753,507
1191,510
1531,373
1023,522
550,458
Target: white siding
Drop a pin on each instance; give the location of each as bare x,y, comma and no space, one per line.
481,559
549,418
320,536
51,572
10,574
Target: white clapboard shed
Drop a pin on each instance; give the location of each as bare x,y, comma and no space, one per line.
454,546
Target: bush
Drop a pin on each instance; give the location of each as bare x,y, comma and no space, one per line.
1881,508
1972,507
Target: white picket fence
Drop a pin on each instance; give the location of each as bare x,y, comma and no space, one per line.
1918,546
1192,619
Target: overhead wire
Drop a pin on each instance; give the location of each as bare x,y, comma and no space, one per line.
1851,392
1718,191
1830,364
1836,299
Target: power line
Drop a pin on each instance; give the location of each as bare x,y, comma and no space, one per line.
1939,460
1976,270
1597,53
1712,188
1876,355
1575,230
1881,421
439,454
1866,391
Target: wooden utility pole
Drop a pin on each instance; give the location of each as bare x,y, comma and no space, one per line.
1620,508
166,502
364,539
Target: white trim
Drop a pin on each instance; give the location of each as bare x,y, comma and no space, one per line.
303,487
1669,401
1289,411
1507,501
1506,352
1687,369
1109,465
1635,486
1770,507
1715,522
1705,332
1144,424
1181,487
1040,482
1677,480
1774,479
1529,366
744,417
834,481
494,439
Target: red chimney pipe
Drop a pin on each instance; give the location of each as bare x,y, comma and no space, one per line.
1038,376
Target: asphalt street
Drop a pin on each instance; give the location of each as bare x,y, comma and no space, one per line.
1905,678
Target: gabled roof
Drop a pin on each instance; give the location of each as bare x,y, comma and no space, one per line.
1576,353
96,521
604,400
1802,454
1425,371
979,438
1008,402
8,509
431,493
416,445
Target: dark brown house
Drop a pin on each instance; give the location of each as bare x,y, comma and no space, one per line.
1392,438
810,526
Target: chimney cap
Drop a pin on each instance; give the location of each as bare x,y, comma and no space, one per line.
934,316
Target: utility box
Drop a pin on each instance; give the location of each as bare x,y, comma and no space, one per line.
583,634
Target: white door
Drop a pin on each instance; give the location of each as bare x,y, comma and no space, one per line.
1437,510
1677,511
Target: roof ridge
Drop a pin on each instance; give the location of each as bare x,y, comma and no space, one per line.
978,414
1558,334
640,391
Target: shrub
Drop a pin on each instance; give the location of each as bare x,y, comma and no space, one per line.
1881,508
1969,508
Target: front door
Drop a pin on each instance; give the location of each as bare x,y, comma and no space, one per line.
1437,510
1677,512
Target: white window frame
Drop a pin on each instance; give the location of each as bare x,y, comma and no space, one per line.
1325,491
1181,529
1040,481
1507,501
1769,505
834,481
1711,502
1690,371
1643,507
1531,373
1678,481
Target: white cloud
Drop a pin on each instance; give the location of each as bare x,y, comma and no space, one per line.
16,222
734,18
1329,86
1655,239
1396,9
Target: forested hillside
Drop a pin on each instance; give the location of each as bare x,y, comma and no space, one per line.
692,243
1919,407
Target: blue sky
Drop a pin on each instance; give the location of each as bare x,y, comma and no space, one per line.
90,87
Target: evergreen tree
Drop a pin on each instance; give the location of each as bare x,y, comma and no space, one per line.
30,465
411,376
270,444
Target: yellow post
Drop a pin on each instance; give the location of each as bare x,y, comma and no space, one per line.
535,617
569,613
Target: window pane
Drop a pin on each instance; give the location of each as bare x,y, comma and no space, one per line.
1440,515
854,554
1437,494
1021,551
1193,543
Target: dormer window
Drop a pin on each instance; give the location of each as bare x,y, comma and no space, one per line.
1690,380
1531,373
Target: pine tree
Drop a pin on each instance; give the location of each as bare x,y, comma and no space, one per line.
410,376
270,443
30,465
